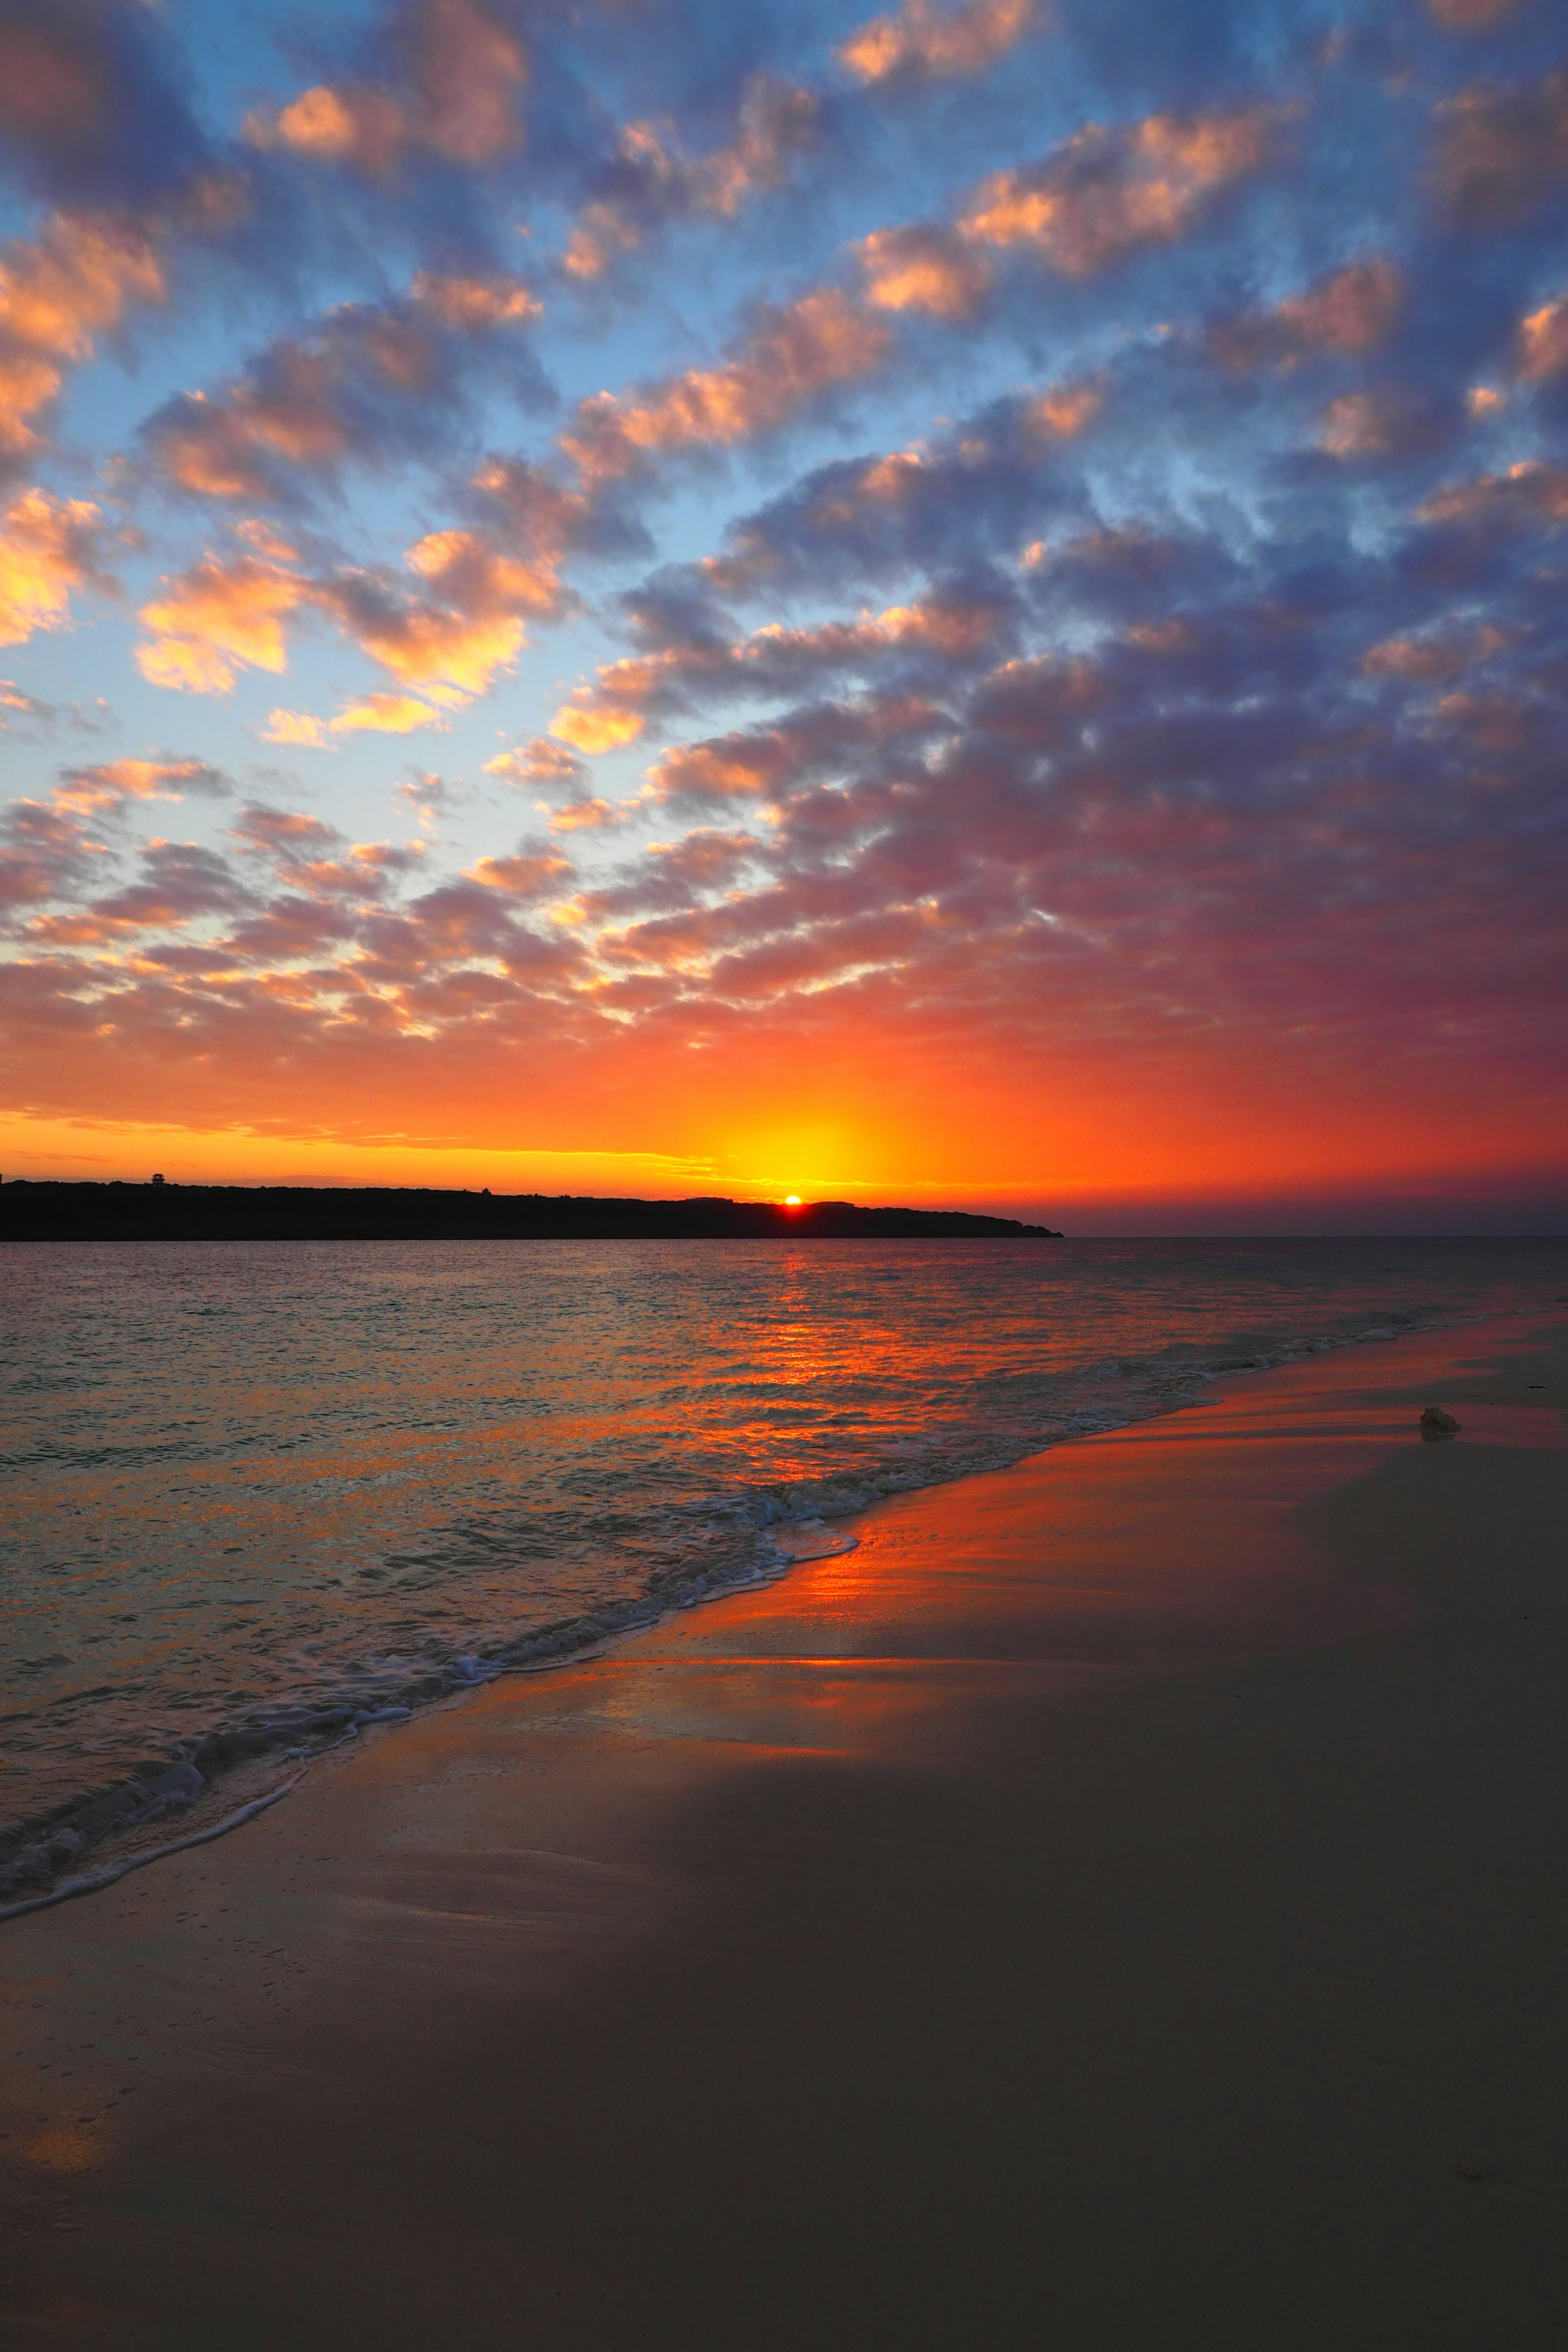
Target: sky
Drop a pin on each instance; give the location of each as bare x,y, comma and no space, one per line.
963,604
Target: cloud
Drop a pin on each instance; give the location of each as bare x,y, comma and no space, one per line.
980,492
649,182
1471,16
370,382
97,790
445,641
48,547
1543,342
461,73
1530,493
475,305
924,267
297,730
1352,311
824,740
216,618
1382,423
1041,702
540,761
528,875
1106,192
1502,155
467,623
925,44
947,627
597,730
94,104
45,856
789,355
386,714
59,292
371,714
588,816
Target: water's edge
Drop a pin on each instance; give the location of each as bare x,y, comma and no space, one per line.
41,1860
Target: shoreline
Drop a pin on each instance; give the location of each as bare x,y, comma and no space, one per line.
561,1644
1119,1900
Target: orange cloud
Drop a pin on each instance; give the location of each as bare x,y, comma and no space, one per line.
921,42
297,730
522,878
448,643
1502,155
921,269
1066,410
588,816
465,74
48,548
475,304
1106,192
216,618
1543,342
385,714
595,729
59,291
817,343
445,642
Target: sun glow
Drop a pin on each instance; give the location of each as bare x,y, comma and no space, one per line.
792,1200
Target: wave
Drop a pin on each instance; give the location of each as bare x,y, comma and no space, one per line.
713,1544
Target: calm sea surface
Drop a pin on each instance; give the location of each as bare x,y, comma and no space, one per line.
252,1490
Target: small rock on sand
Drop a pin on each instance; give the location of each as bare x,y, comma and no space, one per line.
1435,1422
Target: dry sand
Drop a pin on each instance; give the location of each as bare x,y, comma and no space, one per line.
1124,1902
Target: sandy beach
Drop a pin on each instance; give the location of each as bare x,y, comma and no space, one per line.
1124,1902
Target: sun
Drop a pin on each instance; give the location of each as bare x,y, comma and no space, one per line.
792,1200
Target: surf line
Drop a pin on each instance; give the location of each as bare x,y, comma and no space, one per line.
93,1882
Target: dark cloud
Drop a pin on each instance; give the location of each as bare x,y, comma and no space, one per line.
94,104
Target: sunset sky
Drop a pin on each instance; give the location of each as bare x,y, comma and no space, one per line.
967,605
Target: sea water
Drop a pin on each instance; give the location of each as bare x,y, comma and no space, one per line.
255,1493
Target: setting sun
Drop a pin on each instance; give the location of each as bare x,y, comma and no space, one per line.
792,1200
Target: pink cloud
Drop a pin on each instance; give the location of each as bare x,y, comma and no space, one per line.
1107,192
923,43
1502,155
818,342
1351,310
925,267
1528,493
464,75
89,792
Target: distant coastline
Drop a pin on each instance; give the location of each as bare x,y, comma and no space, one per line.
54,1211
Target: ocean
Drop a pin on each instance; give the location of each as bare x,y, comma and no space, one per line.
255,1494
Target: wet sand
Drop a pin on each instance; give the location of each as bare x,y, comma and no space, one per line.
1124,1902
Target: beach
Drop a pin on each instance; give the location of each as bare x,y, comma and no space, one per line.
1121,1902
